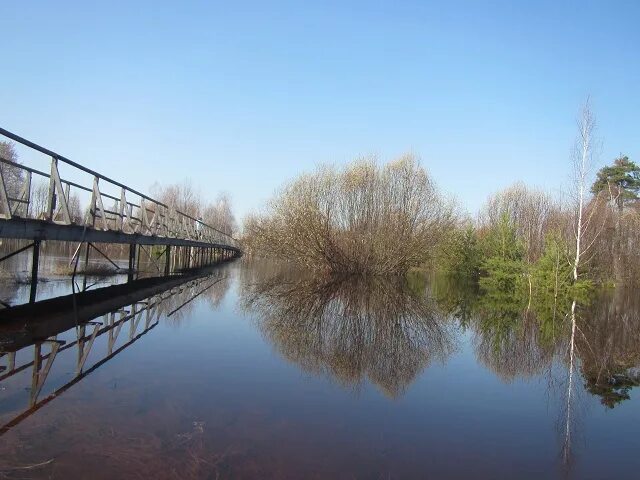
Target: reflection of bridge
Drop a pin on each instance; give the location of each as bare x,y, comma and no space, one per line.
137,304
117,214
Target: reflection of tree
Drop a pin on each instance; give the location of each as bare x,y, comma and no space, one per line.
512,337
178,305
217,292
609,346
350,328
456,299
568,408
512,348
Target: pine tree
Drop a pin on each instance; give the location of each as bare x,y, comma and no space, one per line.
622,179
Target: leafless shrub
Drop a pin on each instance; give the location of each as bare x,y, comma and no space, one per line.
361,219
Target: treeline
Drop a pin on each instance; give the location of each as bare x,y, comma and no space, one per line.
526,238
366,218
187,199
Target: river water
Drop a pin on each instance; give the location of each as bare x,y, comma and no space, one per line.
257,371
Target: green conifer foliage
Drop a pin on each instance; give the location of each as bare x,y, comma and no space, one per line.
622,180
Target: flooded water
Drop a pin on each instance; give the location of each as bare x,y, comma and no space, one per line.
250,371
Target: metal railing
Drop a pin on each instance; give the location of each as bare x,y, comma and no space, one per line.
122,214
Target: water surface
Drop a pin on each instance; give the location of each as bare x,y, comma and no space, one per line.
256,372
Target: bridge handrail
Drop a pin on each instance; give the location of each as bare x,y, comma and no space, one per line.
51,153
199,225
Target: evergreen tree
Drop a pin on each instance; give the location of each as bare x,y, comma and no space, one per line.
460,256
503,268
551,274
622,179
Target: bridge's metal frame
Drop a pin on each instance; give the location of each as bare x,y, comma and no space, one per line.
134,219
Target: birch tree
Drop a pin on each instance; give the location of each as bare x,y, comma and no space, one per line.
582,161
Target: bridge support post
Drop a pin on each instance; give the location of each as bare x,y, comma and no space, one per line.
167,260
132,261
11,361
35,260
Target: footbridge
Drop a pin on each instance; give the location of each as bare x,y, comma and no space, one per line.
43,205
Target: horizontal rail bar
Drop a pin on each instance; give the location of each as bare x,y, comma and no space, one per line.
57,156
51,153
30,229
62,180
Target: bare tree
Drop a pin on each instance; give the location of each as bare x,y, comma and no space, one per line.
219,214
39,199
13,176
183,196
75,210
582,162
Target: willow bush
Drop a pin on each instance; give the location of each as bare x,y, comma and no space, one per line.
363,218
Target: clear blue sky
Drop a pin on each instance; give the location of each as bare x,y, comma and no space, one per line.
242,96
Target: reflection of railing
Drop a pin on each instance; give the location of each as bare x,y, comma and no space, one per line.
136,303
144,216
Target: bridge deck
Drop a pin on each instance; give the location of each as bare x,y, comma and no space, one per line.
30,229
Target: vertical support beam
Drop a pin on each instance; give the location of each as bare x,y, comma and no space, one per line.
82,352
98,204
40,376
132,261
87,252
110,319
132,321
59,199
11,361
122,210
35,259
81,332
51,196
167,260
35,372
5,206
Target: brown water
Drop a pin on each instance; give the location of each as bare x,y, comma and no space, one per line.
265,374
